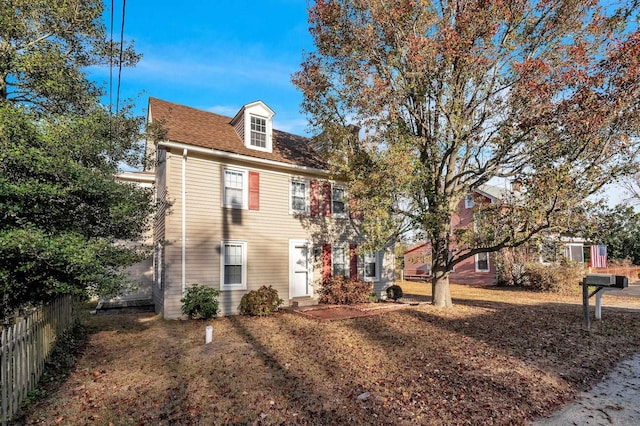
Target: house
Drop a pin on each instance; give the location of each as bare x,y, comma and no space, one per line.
242,205
481,268
138,295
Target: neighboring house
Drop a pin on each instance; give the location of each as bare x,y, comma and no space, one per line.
479,269
243,205
140,274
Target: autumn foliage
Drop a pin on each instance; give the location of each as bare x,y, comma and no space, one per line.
261,302
340,290
450,95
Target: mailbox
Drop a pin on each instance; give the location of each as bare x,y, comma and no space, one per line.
600,280
606,280
621,282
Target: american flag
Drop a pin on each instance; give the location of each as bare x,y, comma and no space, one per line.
598,256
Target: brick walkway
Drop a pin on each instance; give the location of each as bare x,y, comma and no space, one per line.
339,312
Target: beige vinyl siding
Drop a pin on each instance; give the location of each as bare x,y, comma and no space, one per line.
266,231
172,253
239,127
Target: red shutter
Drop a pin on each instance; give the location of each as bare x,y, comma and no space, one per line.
353,262
326,262
326,199
315,199
254,191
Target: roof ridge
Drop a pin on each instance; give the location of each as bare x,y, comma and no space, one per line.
189,107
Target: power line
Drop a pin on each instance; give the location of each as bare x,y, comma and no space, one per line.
124,4
111,64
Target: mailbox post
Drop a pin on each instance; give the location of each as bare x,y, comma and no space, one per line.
600,282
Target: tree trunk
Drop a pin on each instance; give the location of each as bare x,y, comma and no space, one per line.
440,289
441,296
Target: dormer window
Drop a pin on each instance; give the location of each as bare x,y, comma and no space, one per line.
258,132
254,125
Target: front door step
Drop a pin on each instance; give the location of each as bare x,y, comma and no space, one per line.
298,302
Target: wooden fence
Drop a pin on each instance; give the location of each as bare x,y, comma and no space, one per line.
632,272
24,348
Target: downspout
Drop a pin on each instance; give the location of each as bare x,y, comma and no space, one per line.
184,219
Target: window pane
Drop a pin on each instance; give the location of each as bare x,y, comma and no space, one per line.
483,261
370,270
232,264
339,264
298,196
576,253
469,201
258,132
370,265
232,275
338,201
297,204
233,186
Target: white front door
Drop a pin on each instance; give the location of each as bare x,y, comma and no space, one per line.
300,268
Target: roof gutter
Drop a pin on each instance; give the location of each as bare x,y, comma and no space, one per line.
240,157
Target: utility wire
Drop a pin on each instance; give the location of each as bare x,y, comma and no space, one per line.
124,4
111,65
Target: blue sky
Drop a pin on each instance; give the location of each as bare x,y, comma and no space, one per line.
219,55
216,55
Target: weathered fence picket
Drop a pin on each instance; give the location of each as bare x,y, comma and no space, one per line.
24,349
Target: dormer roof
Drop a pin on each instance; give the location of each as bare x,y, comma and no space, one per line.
205,129
257,105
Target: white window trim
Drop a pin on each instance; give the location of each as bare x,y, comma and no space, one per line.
567,250
347,259
268,129
344,200
488,263
378,262
307,191
245,188
469,202
243,284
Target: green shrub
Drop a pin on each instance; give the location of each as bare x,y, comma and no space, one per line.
341,290
200,302
261,302
394,292
373,297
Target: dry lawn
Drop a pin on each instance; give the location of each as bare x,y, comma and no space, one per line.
496,357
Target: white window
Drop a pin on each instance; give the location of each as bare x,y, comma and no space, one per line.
574,253
340,261
254,125
235,188
482,262
258,132
338,207
371,266
468,201
299,199
233,265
